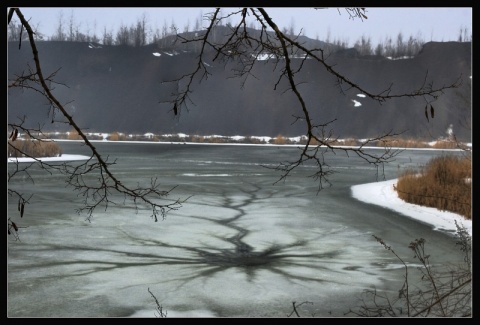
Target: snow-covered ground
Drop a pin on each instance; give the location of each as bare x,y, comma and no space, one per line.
383,194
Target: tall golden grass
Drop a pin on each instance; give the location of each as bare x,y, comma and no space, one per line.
444,183
33,148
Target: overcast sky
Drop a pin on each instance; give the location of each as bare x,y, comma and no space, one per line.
430,24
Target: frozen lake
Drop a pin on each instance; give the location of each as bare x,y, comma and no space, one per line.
239,247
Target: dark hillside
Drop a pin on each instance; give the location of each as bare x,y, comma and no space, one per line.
116,88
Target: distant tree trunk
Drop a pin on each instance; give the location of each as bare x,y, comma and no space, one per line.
59,34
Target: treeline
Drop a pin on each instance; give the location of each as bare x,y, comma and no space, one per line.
137,34
392,47
140,34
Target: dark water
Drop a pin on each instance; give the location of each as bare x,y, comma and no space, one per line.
241,246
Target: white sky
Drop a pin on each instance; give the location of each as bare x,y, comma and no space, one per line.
378,193
430,24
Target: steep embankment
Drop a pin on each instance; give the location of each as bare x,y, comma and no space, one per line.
116,88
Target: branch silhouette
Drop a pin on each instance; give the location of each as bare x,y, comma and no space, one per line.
94,193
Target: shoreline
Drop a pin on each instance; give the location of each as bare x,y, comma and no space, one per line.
378,193
296,145
383,194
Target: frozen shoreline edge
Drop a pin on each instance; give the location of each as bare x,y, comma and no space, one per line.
378,193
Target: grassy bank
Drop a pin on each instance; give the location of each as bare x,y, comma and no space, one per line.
444,183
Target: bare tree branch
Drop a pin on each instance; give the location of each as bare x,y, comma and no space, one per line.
93,179
244,46
99,191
